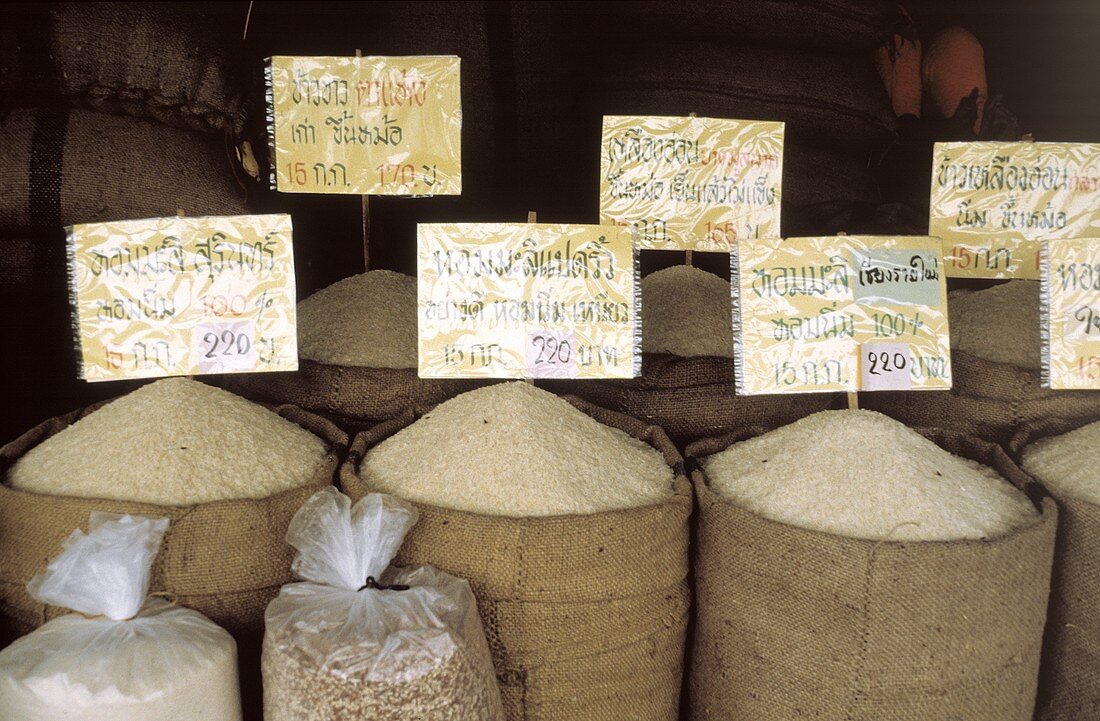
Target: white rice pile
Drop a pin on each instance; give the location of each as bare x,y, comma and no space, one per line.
364,320
859,474
1067,464
686,312
999,324
511,449
173,442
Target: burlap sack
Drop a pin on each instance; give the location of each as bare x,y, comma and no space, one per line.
990,400
793,623
1069,678
694,398
225,559
353,397
72,167
585,615
179,63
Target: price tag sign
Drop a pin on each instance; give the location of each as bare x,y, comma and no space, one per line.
1070,330
183,296
365,126
691,183
829,313
993,203
527,300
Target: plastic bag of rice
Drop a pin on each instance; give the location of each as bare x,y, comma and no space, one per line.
121,656
1069,686
174,442
358,639
686,386
995,357
513,449
357,340
849,567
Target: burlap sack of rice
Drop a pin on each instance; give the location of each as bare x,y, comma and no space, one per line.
65,167
225,558
995,371
797,623
585,614
357,355
1064,461
686,387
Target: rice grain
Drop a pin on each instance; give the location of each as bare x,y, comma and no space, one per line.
859,474
999,324
1066,464
686,312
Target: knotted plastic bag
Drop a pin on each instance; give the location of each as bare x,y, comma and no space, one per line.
122,656
358,639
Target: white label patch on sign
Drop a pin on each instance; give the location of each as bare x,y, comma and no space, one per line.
550,354
183,296
885,367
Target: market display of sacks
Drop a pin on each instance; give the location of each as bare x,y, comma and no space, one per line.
360,639
687,382
122,655
357,348
570,523
1065,463
995,369
849,567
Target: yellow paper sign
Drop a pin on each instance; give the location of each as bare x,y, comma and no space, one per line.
808,312
993,203
183,296
1071,313
515,300
365,126
691,183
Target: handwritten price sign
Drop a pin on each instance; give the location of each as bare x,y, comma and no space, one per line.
526,300
994,203
183,296
843,313
691,183
365,126
1071,313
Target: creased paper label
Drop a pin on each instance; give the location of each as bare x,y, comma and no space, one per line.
691,183
993,203
519,300
366,126
183,296
1070,329
804,307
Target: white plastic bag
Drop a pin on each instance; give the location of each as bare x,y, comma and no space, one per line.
122,657
358,640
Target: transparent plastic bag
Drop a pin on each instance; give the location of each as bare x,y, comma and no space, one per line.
360,640
122,656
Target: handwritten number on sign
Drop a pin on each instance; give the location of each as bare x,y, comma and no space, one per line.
886,362
552,351
231,343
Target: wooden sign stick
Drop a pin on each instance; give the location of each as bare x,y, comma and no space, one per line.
688,252
532,217
365,210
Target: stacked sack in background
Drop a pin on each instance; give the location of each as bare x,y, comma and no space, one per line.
995,365
111,111
357,355
687,382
